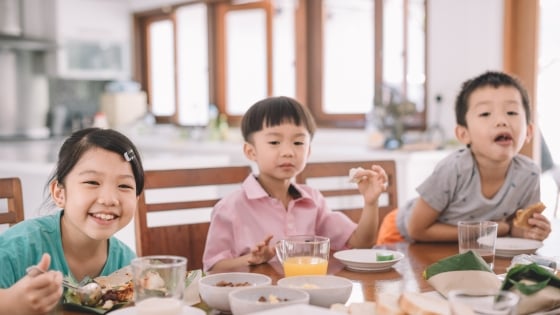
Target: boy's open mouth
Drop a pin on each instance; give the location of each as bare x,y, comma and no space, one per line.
504,137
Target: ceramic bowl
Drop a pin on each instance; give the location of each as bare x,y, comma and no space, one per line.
250,300
216,296
323,290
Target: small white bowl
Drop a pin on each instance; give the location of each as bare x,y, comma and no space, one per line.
246,300
217,297
323,290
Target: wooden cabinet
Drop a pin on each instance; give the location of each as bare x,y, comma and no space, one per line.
92,37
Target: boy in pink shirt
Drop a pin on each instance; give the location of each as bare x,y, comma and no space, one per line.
269,206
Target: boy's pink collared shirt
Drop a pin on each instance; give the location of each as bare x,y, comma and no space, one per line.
245,217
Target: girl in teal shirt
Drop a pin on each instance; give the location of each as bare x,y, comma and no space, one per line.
97,182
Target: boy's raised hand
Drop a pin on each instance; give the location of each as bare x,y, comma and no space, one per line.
262,253
37,293
371,183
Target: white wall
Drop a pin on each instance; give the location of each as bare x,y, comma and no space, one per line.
464,39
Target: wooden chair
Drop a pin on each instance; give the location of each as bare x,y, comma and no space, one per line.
331,178
180,201
10,190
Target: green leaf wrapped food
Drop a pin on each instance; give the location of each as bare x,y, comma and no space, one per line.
466,261
538,288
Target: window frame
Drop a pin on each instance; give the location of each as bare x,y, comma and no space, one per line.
309,57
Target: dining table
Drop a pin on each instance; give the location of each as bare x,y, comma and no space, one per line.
406,275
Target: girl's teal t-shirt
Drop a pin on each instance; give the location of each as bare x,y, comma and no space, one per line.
23,245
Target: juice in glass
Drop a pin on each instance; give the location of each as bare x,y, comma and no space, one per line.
305,265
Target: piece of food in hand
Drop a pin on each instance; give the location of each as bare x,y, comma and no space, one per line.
522,216
352,174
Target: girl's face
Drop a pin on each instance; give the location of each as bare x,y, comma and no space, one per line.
496,123
281,151
98,195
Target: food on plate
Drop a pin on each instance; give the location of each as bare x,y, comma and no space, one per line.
380,256
309,286
223,283
116,288
272,299
388,303
422,304
522,216
363,308
352,174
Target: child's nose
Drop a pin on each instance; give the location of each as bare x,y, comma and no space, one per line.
287,150
501,120
108,197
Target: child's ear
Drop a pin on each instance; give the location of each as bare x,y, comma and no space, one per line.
462,134
57,194
530,132
249,151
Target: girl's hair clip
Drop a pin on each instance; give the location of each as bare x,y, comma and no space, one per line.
129,155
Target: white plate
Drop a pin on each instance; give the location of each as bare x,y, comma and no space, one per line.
187,310
298,309
511,246
366,259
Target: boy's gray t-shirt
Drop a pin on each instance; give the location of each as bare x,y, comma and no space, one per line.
454,189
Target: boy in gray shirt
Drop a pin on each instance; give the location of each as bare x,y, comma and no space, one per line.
489,180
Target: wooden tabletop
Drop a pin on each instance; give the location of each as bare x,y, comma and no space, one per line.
406,274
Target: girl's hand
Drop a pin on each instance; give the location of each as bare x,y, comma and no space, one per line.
38,294
262,253
371,183
539,230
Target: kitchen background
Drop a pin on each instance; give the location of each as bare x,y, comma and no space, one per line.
63,61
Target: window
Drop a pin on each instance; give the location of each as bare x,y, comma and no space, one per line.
296,48
161,65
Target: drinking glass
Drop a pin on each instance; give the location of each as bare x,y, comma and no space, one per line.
490,302
303,255
159,283
480,237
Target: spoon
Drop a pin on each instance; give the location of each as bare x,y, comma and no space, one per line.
89,294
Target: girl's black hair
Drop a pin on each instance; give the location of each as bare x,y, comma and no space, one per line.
274,111
111,140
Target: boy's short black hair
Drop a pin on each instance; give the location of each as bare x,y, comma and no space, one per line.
490,78
274,111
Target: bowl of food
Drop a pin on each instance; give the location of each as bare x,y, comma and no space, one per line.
250,300
323,290
214,289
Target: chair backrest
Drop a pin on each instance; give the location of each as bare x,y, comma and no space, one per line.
10,190
331,178
174,209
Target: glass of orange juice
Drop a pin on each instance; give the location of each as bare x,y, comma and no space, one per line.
304,255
